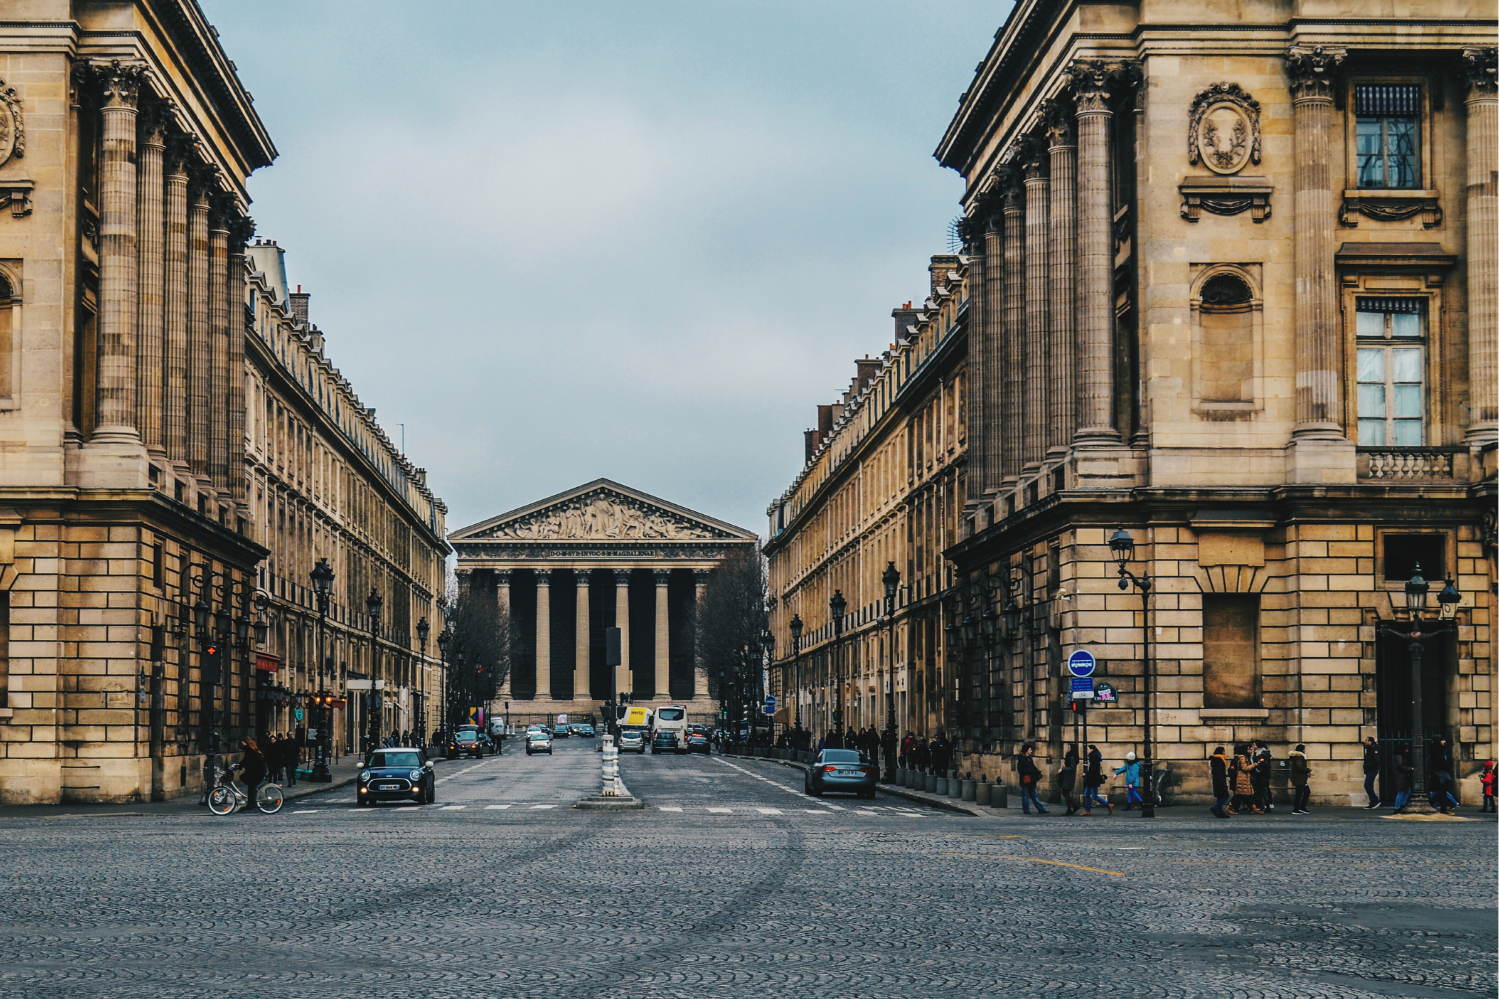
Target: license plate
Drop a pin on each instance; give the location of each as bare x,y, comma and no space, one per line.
848,773
388,787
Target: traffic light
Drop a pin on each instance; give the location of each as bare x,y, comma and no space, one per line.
1076,707
211,664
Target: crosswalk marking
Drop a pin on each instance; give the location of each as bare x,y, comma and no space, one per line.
452,808
306,811
535,807
721,811
669,808
768,811
494,808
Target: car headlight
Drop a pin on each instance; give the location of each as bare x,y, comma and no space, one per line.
416,775
364,776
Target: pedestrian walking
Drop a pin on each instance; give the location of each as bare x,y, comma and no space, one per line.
1403,774
1131,771
1092,781
908,751
922,755
1218,763
1262,770
1486,781
1371,771
1301,771
1068,777
1243,768
289,759
1439,777
1030,778
941,754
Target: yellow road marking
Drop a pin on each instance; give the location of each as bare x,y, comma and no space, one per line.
1036,860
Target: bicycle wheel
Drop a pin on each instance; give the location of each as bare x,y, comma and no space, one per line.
268,799
222,801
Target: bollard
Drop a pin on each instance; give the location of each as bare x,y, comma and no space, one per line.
970,790
981,793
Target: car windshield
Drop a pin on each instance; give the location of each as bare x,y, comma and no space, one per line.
839,756
395,760
468,736
671,714
537,735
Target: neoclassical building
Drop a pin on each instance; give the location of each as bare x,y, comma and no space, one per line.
1231,287
599,556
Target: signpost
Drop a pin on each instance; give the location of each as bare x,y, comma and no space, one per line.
1081,663
1080,667
770,704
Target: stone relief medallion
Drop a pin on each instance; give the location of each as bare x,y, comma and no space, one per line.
1224,130
12,131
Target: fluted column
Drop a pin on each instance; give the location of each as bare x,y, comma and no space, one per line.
218,344
119,91
543,635
993,347
502,601
582,682
197,325
240,231
1483,246
1062,266
700,676
1013,408
1037,299
978,330
174,303
622,678
1094,81
663,636
150,263
1318,354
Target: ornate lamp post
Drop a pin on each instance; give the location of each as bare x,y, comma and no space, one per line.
372,605
768,644
322,588
444,641
1122,546
836,608
891,579
423,629
796,669
1416,634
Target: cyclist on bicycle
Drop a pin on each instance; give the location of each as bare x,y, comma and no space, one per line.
253,765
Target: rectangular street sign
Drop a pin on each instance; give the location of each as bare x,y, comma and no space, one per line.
1082,686
1082,695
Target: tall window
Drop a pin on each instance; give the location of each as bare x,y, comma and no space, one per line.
1391,372
1389,136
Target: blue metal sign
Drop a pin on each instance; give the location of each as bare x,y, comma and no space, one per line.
770,704
1081,663
1082,688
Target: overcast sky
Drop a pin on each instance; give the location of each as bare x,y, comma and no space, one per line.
561,241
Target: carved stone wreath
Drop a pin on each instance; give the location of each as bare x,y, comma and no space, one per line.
1224,129
12,129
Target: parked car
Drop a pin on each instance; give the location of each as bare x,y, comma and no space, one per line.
666,742
466,742
404,774
698,742
840,770
539,741
632,740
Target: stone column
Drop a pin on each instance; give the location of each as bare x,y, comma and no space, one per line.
218,341
1062,266
700,677
543,635
119,89
197,325
1012,408
582,681
978,425
174,302
622,678
993,348
240,231
1319,359
1094,81
150,261
502,601
1037,299
1483,246
663,636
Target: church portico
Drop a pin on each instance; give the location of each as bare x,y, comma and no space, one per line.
595,557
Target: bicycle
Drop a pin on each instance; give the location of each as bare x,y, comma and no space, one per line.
226,797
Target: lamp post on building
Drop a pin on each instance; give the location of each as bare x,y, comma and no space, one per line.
372,605
322,588
423,629
891,579
1122,546
1416,633
796,669
836,608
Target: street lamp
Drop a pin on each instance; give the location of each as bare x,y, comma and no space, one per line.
836,608
891,579
1122,546
1416,634
444,642
372,605
423,629
796,669
322,588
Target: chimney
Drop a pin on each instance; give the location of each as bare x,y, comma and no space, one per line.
298,301
904,316
938,268
809,445
868,369
824,421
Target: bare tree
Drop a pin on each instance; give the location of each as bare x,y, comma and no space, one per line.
479,647
732,631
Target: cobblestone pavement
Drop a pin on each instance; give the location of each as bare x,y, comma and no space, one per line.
751,889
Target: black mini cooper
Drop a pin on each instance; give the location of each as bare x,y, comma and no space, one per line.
401,774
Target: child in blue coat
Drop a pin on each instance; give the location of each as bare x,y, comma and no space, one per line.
1131,771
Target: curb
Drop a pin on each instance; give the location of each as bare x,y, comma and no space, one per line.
598,803
931,800
321,788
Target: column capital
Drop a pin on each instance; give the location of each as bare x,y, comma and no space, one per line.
663,577
700,576
152,123
202,184
181,153
583,577
1096,82
1313,71
1479,73
222,209
1058,121
1011,186
1033,155
543,577
241,229
622,577
117,84
502,577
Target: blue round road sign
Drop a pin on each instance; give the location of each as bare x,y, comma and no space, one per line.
1081,663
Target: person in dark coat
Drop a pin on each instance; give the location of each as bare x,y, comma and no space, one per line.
1261,775
1218,762
252,764
1439,780
1371,771
1092,781
1030,779
1068,775
941,754
1402,774
922,756
1301,772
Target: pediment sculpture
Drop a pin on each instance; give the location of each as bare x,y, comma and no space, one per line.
602,517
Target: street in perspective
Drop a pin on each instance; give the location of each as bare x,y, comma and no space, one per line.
851,499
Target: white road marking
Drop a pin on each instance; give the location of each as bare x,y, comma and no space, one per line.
815,811
768,811
721,811
306,811
668,808
494,808
452,808
536,807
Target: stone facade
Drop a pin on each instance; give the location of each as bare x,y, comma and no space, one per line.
598,556
1275,368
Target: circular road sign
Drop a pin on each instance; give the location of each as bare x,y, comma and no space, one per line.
1081,663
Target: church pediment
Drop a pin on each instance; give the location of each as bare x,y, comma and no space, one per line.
601,513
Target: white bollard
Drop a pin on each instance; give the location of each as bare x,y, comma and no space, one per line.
612,787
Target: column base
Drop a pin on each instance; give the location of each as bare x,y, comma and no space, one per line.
1321,461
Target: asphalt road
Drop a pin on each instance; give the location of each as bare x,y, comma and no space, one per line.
731,882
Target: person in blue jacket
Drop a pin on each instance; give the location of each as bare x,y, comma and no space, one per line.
1131,771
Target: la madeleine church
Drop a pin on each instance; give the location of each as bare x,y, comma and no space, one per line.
601,555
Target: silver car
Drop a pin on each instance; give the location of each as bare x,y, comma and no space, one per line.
538,741
632,740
